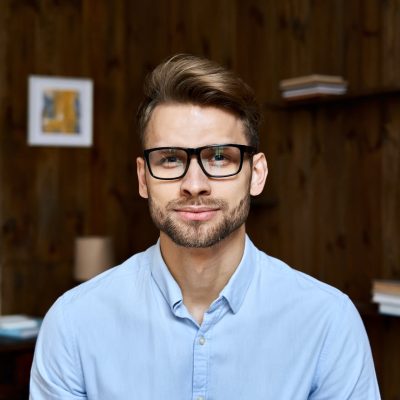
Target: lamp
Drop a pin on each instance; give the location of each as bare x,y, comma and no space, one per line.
93,254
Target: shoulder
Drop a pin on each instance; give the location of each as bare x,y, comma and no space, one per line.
300,298
318,311
279,276
108,290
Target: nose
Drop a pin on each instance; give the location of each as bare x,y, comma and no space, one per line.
195,182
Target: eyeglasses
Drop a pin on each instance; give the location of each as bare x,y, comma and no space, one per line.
216,161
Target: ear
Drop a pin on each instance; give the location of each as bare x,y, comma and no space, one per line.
259,174
141,173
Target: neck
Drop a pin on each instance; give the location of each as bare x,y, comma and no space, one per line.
203,273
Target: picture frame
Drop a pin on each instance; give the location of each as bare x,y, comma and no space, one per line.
60,111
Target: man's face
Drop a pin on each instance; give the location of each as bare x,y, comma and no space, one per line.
196,211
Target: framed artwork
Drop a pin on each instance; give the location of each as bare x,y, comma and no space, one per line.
60,111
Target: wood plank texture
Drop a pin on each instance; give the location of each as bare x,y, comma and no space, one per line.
332,203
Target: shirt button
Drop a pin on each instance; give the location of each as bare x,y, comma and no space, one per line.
202,341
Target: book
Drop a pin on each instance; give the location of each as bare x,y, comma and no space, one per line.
313,79
20,333
16,321
386,298
389,309
386,286
19,326
312,86
313,91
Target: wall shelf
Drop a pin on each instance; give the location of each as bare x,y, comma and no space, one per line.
376,94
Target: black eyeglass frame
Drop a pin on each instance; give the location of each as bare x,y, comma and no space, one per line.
196,152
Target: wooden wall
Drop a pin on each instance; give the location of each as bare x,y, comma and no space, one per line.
332,204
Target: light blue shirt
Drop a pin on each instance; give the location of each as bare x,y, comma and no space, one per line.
274,333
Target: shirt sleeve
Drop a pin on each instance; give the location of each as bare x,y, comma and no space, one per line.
56,370
346,369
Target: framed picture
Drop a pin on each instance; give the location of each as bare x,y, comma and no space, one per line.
60,111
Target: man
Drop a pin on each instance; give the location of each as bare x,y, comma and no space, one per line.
203,314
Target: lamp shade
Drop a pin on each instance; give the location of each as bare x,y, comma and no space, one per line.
93,254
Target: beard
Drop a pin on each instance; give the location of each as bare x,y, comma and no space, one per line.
199,234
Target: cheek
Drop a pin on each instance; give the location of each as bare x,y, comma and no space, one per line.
163,192
232,191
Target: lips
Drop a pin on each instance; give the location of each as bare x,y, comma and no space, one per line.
197,213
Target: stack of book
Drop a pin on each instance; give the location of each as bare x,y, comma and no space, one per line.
19,326
387,294
312,86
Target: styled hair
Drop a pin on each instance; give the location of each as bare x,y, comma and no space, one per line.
185,78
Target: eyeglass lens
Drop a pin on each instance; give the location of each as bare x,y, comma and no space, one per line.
217,161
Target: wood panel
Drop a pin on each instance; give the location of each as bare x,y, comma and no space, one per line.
390,49
390,191
332,203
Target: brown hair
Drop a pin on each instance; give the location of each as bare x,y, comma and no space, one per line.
185,78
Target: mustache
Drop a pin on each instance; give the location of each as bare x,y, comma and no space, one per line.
201,201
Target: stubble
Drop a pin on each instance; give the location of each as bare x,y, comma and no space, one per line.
199,234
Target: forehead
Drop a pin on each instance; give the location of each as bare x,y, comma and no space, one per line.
189,125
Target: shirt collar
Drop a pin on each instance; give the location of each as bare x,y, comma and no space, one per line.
234,292
164,280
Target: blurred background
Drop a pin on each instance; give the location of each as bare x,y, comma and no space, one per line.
331,207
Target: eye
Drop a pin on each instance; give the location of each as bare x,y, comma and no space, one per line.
168,160
219,157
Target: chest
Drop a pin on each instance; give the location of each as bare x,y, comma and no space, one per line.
252,357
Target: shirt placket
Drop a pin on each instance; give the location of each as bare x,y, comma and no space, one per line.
202,350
